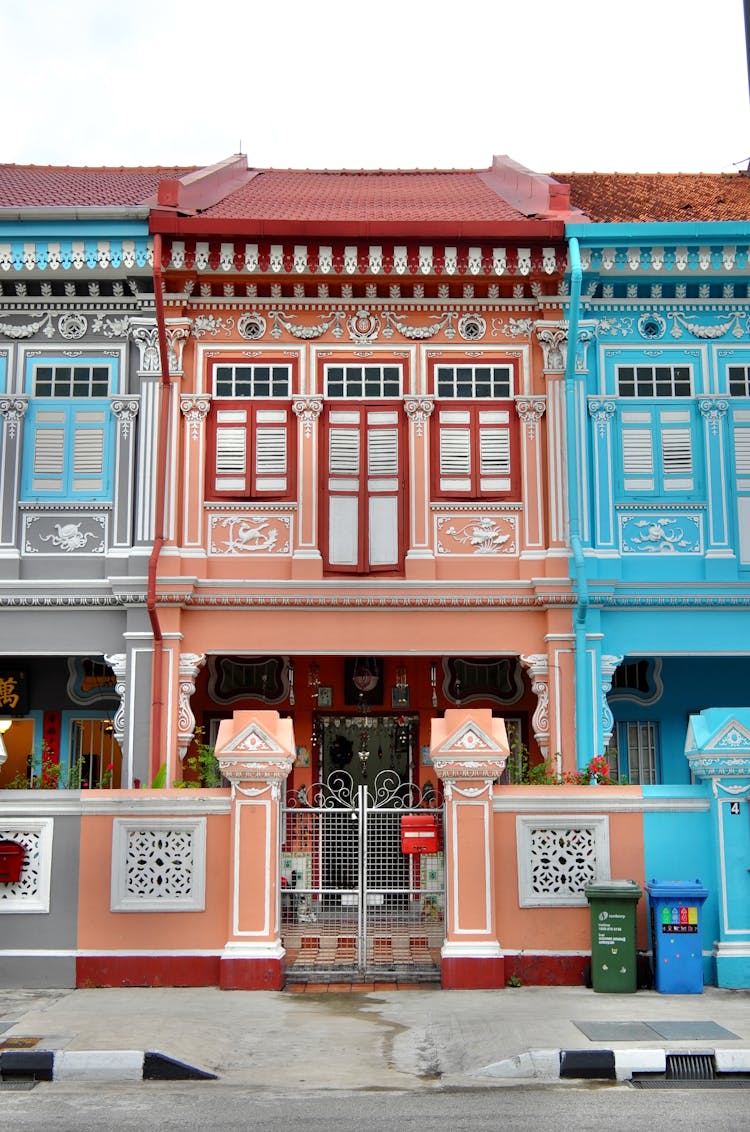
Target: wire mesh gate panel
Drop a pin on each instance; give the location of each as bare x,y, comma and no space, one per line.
352,903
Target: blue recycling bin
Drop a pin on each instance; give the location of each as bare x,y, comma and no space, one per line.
676,935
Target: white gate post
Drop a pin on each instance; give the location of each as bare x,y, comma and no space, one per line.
469,751
256,752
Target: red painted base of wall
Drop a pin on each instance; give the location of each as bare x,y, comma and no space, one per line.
147,971
252,974
472,974
548,970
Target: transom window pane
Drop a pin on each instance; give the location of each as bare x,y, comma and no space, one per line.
363,381
252,381
480,382
71,381
654,381
739,381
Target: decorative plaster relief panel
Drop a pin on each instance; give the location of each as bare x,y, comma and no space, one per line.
31,893
58,533
158,865
249,533
557,858
660,532
489,533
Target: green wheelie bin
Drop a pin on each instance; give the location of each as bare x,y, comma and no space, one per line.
613,906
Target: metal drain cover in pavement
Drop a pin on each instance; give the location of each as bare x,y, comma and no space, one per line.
616,1031
649,1031
19,1043
713,1083
690,1031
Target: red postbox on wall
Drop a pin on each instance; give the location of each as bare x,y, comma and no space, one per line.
12,856
419,833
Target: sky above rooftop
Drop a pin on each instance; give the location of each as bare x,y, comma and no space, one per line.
647,85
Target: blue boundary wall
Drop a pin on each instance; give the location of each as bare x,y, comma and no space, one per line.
678,846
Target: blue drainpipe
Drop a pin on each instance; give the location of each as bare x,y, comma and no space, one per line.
584,751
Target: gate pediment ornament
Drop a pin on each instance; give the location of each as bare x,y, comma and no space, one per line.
718,747
469,745
255,745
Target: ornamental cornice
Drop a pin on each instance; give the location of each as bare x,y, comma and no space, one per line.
661,260
450,768
387,260
249,769
469,303
671,601
723,765
71,601
52,256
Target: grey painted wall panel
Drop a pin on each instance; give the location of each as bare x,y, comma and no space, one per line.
50,931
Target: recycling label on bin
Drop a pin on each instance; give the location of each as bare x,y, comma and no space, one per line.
679,919
611,928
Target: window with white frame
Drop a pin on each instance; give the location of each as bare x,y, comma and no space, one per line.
654,381
474,432
476,382
363,380
69,430
739,381
250,436
633,752
261,381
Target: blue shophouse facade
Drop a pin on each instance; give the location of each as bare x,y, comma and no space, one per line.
658,456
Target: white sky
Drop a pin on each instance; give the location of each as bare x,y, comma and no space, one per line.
559,85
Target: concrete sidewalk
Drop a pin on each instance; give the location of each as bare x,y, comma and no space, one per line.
381,1039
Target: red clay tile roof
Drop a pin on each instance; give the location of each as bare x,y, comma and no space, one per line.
51,186
632,197
368,196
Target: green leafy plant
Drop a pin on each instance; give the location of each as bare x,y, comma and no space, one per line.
202,764
514,981
160,778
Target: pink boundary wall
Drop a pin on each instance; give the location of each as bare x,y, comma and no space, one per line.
235,943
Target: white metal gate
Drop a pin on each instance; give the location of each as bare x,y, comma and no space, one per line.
352,903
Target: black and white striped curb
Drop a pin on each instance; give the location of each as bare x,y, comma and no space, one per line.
604,1064
97,1065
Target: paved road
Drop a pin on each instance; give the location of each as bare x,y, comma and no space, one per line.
194,1107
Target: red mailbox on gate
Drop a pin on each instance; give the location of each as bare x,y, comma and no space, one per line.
419,833
12,856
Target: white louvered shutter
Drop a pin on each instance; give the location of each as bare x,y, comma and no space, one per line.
676,449
383,488
271,441
638,450
742,479
48,438
89,434
343,469
474,451
494,451
231,474
455,451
